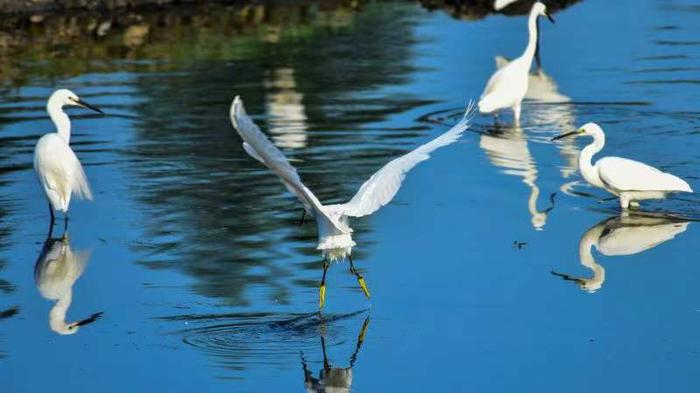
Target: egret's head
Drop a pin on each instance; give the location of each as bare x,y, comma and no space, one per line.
540,9
65,97
590,129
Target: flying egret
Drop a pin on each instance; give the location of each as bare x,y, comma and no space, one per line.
55,272
57,168
631,181
334,233
507,87
624,235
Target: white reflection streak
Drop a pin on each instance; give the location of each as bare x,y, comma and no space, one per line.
288,121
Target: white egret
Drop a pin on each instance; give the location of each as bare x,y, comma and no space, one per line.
507,87
56,271
625,235
631,181
334,233
58,169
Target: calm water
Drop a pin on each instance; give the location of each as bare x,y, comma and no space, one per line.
193,253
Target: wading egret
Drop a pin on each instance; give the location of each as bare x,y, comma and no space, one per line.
334,233
57,168
624,235
631,181
507,87
56,271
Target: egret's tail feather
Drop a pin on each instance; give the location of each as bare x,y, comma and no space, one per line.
81,187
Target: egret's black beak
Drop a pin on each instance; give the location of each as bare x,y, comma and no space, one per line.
549,17
84,104
572,133
89,320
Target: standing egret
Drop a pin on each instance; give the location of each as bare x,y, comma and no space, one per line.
334,233
507,87
57,168
631,181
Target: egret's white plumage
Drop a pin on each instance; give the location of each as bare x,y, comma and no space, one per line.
56,271
58,169
334,234
625,235
630,180
508,85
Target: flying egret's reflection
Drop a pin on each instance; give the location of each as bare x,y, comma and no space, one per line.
506,147
55,273
287,122
333,379
624,235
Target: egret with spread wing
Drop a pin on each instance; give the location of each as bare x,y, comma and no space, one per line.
334,233
631,181
57,168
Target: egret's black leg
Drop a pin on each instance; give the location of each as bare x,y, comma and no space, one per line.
360,340
303,215
322,288
360,279
53,218
326,365
65,223
538,61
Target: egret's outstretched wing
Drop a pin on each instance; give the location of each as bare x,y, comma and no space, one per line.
629,175
258,146
385,183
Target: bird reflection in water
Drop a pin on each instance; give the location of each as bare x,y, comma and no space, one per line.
624,235
333,379
506,147
56,271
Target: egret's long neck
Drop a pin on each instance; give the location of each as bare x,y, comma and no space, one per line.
57,315
60,119
585,160
585,253
532,43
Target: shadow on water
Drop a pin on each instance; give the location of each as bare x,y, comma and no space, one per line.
628,234
239,340
55,272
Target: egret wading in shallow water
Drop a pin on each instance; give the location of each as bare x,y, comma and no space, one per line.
631,181
57,168
334,233
507,87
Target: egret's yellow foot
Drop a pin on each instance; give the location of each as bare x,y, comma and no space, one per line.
321,295
363,285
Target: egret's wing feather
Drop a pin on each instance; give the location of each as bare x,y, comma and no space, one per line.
258,146
629,175
381,188
59,168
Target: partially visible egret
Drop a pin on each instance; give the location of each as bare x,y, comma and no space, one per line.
631,181
507,87
58,169
334,233
56,271
624,235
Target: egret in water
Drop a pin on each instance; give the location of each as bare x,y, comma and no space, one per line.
57,168
507,87
55,272
334,233
624,235
631,181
